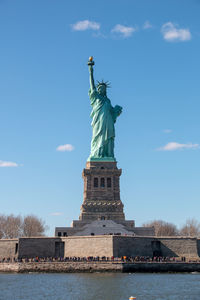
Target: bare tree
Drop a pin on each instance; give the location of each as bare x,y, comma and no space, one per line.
10,226
15,226
162,228
191,228
33,226
2,222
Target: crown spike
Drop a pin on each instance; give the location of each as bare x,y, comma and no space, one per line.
102,82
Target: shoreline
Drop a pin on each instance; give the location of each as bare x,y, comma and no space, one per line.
92,267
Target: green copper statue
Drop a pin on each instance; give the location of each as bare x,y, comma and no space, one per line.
103,116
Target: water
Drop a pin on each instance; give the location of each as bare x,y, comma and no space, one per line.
98,286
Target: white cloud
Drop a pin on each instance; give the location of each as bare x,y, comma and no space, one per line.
125,31
56,214
167,130
147,25
171,33
4,164
176,146
85,25
66,147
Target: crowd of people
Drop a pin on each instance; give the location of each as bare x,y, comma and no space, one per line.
124,259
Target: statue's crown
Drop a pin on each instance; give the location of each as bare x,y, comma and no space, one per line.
106,83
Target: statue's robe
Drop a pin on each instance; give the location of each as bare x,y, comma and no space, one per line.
103,118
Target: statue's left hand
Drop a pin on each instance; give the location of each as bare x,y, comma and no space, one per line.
118,110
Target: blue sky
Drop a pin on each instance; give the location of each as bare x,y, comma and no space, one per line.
149,51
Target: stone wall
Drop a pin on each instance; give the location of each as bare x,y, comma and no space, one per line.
9,267
144,231
70,267
9,248
179,246
38,246
57,267
75,267
150,246
88,246
198,247
161,267
104,245
132,246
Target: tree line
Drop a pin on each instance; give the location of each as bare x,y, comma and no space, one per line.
16,226
191,228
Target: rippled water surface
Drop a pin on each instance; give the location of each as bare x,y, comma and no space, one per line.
98,286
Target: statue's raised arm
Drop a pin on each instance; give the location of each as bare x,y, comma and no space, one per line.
91,64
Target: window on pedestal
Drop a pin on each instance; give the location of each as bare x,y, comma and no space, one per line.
102,182
16,248
109,182
96,182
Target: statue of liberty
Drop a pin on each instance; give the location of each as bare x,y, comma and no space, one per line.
103,116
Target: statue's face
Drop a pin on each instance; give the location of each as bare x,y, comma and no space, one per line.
102,89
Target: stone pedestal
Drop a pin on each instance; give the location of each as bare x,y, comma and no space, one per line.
102,211
101,192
